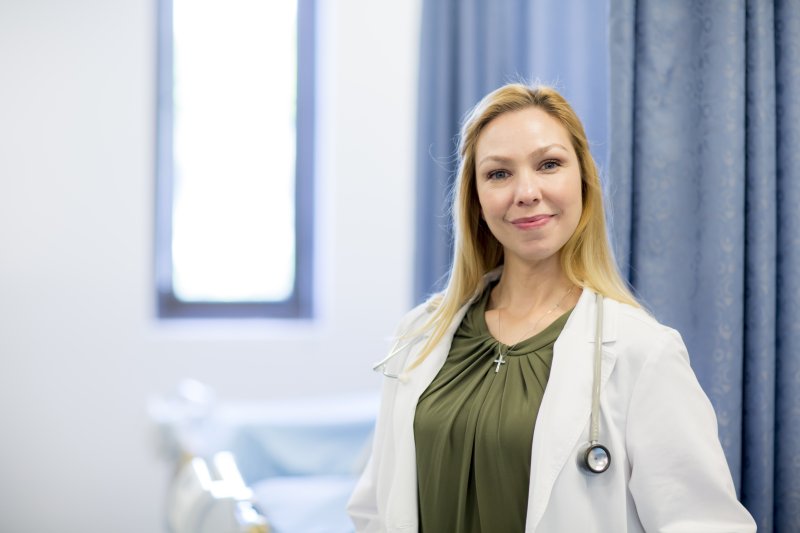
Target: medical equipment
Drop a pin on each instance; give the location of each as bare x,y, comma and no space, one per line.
283,465
593,457
596,457
213,498
380,366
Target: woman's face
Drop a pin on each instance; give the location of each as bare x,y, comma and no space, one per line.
529,184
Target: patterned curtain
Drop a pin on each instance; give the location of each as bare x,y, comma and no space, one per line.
705,175
470,47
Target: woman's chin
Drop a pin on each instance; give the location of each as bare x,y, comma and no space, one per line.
531,257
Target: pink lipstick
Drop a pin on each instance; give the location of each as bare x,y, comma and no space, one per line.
532,222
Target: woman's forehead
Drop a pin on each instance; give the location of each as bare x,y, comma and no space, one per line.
522,132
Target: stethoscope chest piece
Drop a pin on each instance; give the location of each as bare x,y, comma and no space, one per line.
596,458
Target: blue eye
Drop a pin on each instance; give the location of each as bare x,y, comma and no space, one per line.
498,175
551,164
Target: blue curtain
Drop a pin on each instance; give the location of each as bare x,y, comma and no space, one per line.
705,176
470,47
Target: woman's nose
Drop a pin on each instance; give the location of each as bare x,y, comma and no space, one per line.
528,190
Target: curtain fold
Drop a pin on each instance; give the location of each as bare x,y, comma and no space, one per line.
758,475
706,198
787,371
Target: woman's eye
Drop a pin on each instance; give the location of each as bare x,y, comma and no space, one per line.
498,175
552,164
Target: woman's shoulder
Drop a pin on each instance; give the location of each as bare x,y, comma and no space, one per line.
638,330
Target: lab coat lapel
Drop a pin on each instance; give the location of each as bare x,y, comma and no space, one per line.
566,405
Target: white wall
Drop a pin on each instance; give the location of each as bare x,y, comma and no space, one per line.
80,350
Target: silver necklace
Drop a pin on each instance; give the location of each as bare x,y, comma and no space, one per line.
501,360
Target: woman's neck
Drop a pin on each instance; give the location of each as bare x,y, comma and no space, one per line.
527,286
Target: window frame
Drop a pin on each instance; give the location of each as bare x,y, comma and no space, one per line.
300,302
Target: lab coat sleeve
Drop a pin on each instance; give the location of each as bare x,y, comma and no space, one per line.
363,504
680,480
362,507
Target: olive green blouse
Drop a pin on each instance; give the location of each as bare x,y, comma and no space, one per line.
473,429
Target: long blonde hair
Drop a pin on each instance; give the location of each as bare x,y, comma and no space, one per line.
586,258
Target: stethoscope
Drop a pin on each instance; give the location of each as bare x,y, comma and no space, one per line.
596,457
593,456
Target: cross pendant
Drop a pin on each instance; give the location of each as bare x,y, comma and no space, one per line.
499,361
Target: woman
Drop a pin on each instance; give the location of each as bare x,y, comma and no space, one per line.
485,427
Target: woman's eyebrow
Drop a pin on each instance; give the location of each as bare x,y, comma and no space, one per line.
495,158
503,159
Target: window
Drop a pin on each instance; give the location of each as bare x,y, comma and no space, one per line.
234,158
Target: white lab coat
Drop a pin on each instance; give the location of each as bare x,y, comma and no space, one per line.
667,474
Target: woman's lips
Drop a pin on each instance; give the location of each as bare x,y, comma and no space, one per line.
532,222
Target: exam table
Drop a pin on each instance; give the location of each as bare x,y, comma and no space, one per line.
278,466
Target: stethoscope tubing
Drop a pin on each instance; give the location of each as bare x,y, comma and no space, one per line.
594,427
596,458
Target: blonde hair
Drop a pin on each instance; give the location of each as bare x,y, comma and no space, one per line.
586,258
